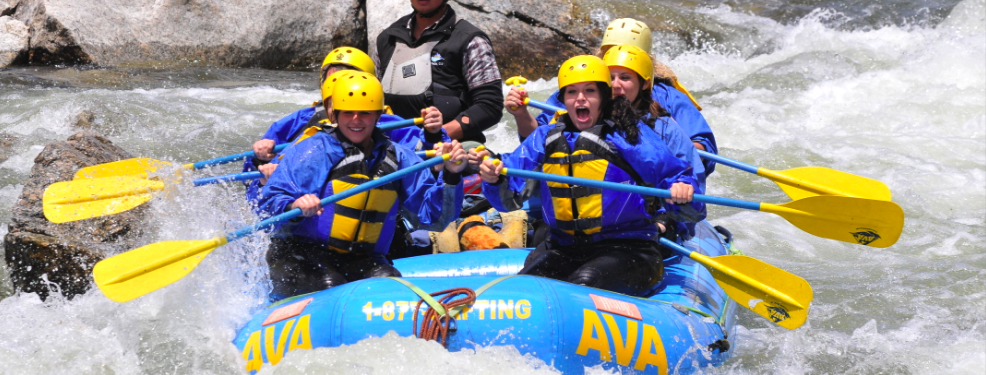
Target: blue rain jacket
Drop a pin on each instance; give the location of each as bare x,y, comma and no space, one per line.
688,117
285,130
679,145
650,158
305,169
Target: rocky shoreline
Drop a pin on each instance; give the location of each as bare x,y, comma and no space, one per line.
270,34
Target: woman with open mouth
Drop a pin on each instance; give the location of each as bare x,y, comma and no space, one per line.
599,238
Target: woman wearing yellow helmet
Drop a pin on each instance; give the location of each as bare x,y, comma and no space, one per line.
293,127
665,90
600,238
349,240
290,127
632,78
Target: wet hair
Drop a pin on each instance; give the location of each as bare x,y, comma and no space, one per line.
619,110
646,105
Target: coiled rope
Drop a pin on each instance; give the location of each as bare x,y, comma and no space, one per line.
435,324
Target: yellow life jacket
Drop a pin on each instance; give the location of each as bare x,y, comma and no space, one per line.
309,131
358,220
578,210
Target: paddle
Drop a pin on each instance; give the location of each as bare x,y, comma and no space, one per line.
426,154
771,292
797,183
869,222
75,200
143,270
142,167
401,124
807,182
87,198
517,81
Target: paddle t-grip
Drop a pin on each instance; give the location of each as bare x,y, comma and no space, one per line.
517,81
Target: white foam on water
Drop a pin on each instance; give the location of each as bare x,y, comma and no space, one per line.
22,163
393,354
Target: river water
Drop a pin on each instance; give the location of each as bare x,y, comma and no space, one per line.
893,90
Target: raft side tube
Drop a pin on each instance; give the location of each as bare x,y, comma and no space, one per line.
681,329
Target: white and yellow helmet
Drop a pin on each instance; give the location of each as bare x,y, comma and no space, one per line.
627,31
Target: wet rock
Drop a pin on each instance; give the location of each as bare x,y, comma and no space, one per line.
6,146
41,254
264,33
85,120
13,41
530,38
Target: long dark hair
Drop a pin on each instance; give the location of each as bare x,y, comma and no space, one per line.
646,105
619,110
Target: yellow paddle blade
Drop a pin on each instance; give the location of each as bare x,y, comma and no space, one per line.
93,197
771,292
862,221
137,167
143,270
804,182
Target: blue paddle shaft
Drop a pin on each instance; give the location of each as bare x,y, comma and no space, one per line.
335,197
543,106
397,124
676,247
228,177
704,154
727,161
234,157
642,190
278,148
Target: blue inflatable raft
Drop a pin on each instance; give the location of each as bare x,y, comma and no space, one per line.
682,328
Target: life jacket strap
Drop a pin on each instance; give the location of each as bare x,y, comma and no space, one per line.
571,159
579,225
574,191
365,216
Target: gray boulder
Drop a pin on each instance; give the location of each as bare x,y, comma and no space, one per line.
13,40
43,257
262,33
530,38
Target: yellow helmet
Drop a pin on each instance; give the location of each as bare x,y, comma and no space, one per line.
357,91
350,56
330,83
583,68
627,31
632,58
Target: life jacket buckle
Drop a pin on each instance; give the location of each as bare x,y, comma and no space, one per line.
579,225
575,159
581,191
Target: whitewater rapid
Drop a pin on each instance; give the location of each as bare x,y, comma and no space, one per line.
903,104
